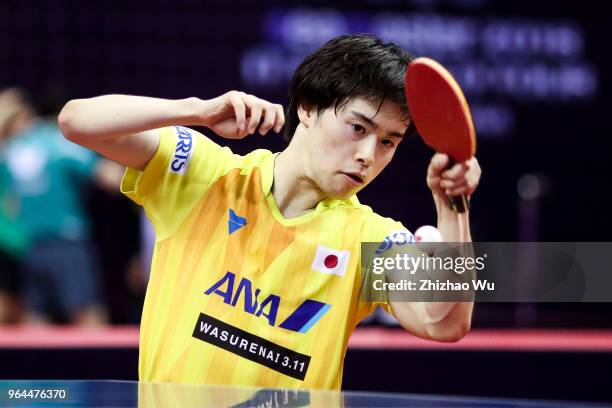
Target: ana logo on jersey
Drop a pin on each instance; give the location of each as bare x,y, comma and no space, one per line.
399,238
301,320
235,221
330,261
184,147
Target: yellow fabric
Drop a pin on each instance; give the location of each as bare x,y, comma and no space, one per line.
164,395
195,250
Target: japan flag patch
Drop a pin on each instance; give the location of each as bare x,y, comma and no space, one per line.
330,261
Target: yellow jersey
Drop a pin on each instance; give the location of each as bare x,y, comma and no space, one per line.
239,295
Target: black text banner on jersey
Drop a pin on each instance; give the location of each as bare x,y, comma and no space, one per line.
251,347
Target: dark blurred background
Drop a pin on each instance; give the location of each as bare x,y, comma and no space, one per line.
534,74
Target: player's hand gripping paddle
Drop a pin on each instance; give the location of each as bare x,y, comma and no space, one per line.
441,114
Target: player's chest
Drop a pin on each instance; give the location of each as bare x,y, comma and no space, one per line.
280,273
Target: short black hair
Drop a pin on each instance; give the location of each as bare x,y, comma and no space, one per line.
348,66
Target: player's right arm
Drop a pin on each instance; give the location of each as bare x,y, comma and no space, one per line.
124,128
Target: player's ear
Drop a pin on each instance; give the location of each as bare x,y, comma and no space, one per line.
306,115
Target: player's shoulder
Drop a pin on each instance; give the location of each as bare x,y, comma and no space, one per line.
183,142
380,229
255,159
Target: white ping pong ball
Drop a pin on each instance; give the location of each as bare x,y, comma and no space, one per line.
426,238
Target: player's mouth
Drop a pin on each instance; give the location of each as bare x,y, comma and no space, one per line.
355,179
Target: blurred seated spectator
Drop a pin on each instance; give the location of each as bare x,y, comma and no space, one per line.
60,279
12,248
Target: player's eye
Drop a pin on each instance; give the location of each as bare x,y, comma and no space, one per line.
388,143
358,128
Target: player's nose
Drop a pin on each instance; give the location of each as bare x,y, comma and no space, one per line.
365,152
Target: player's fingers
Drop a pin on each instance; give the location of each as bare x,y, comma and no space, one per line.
472,182
439,162
269,119
256,108
452,184
452,192
434,184
456,172
280,118
237,103
474,172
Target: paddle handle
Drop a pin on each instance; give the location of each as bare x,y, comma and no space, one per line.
458,204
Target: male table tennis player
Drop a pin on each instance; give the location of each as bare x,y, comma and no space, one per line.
256,272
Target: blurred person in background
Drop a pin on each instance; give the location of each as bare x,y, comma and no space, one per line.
60,270
13,243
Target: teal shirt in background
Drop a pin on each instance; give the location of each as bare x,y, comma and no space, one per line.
12,237
48,174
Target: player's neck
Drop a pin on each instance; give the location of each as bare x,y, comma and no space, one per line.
294,193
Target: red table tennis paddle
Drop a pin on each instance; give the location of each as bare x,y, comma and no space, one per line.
441,114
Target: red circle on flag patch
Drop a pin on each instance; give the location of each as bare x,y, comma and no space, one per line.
331,261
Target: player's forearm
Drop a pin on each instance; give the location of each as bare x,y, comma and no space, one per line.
440,321
444,316
447,321
450,320
454,227
109,116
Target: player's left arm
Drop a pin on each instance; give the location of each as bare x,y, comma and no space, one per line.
107,175
444,321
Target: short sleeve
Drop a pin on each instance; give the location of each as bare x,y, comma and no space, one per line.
184,166
383,234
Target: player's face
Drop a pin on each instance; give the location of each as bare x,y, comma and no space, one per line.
350,147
